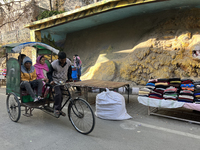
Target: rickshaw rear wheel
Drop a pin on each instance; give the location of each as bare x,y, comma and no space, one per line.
13,107
81,116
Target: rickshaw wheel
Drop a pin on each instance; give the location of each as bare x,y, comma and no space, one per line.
81,116
13,107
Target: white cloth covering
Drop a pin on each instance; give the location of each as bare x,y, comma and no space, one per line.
159,102
167,103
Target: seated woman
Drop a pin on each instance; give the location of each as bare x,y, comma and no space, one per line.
41,71
41,68
29,79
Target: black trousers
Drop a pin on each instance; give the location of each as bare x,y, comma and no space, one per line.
58,98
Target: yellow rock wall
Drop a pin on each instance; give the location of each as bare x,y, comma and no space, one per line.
164,52
156,60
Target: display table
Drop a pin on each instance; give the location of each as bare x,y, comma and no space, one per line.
154,105
100,84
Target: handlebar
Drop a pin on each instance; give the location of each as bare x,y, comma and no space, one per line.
59,83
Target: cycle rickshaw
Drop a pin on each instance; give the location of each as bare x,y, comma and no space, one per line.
80,112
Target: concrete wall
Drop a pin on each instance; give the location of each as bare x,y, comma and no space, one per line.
115,36
15,31
15,36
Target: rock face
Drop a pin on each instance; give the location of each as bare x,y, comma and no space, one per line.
102,71
162,58
168,50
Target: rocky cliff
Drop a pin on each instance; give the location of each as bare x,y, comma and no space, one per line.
168,49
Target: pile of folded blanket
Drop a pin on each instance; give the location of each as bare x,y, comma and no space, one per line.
160,86
144,92
175,82
187,81
197,91
186,93
148,88
171,93
185,90
150,85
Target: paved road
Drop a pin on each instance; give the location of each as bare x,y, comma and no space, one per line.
43,132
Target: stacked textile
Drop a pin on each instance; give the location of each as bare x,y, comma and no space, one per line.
186,81
150,85
152,80
171,93
155,95
175,82
160,86
189,87
187,93
148,88
185,90
197,91
144,92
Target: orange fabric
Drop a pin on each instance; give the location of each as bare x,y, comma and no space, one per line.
186,88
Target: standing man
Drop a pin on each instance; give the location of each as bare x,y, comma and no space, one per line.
77,64
60,70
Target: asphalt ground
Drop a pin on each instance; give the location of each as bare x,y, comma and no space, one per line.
142,132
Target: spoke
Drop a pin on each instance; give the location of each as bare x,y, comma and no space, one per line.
81,116
13,107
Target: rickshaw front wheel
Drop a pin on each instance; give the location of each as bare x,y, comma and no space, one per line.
13,107
81,116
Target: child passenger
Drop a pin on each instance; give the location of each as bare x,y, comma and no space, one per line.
29,79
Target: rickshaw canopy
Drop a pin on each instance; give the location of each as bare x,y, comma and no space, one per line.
17,47
14,67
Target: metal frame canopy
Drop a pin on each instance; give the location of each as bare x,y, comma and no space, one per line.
17,47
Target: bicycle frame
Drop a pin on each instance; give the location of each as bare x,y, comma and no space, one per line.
68,94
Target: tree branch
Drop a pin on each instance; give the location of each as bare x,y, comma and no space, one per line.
12,20
14,14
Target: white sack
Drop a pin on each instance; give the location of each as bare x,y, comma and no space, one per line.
111,105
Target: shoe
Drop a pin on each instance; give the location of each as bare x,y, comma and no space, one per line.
36,99
39,98
57,113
